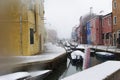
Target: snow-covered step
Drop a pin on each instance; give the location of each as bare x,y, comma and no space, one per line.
15,76
98,72
23,75
105,55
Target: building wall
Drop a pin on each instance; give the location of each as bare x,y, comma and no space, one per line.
16,20
84,35
107,29
99,30
74,34
116,27
96,30
89,32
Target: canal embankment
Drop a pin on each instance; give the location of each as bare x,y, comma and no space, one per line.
49,60
105,71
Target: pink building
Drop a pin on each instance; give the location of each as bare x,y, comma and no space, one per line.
107,29
96,30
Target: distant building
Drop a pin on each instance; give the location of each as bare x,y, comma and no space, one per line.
116,19
52,36
107,29
74,34
82,38
88,27
21,27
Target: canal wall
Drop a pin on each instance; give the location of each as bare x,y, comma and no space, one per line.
43,65
56,62
114,76
32,63
117,53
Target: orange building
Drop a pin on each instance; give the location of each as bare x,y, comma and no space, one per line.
116,20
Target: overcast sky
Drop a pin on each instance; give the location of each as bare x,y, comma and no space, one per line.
62,15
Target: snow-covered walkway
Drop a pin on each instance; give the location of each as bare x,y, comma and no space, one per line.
113,49
50,54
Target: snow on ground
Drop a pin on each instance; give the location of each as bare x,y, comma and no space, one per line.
38,73
19,75
49,47
15,76
81,46
15,61
98,72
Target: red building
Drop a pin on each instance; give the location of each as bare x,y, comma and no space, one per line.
96,30
107,29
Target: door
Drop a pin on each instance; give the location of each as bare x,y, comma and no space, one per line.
114,39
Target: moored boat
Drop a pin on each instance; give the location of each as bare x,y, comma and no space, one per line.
105,55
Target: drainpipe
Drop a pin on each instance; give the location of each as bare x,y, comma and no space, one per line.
35,19
21,48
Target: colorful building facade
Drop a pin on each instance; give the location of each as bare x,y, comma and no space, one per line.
94,31
88,26
74,34
21,27
107,29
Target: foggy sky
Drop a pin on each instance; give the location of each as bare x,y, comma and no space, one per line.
62,15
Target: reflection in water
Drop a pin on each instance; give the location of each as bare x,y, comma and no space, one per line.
71,69
67,69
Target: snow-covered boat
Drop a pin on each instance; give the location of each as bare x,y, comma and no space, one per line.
105,55
77,57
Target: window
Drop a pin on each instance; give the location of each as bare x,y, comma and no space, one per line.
114,4
115,20
31,36
102,36
107,36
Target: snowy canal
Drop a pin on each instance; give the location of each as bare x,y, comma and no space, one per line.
66,69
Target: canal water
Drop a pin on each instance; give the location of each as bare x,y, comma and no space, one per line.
67,69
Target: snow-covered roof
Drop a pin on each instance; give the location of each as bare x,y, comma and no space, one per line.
77,53
98,72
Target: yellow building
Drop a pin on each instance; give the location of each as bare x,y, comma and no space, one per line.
21,27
